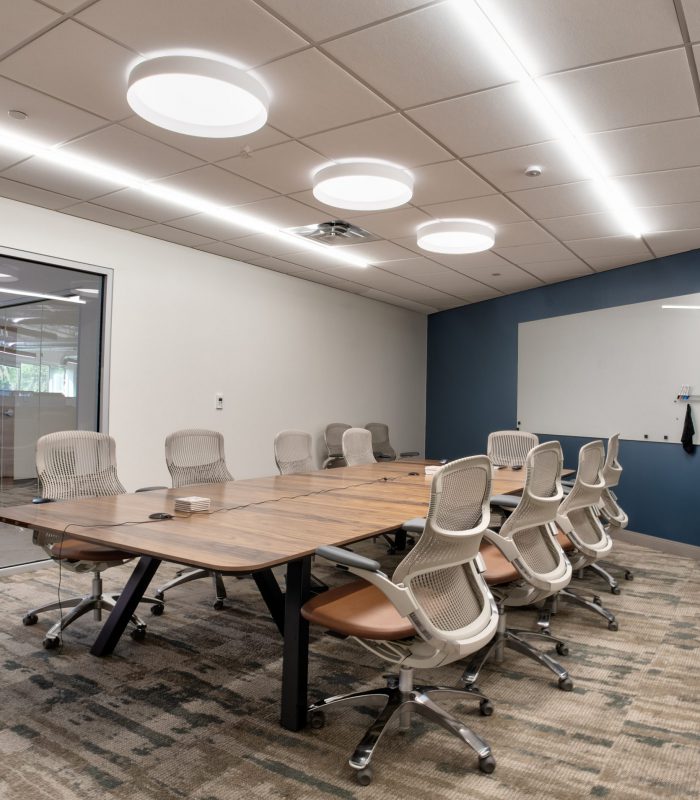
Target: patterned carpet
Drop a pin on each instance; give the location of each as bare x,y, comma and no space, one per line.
191,712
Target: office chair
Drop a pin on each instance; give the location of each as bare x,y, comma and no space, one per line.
293,452
357,447
525,563
195,456
436,609
583,536
510,448
381,446
334,444
73,464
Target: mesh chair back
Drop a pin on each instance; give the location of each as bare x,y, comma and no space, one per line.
334,438
196,456
357,447
454,601
293,452
381,446
510,448
529,526
77,464
612,471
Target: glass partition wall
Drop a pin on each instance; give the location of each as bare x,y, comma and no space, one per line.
50,366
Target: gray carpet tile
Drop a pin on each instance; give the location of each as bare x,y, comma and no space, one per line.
191,712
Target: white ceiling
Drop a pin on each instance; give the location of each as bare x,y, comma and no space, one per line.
393,79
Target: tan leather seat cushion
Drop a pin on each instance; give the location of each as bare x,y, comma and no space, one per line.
566,544
358,609
498,568
75,550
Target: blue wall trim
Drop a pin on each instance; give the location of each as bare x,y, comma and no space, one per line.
472,385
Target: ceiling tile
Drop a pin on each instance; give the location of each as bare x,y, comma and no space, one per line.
22,20
132,152
419,268
201,147
174,235
47,176
676,217
483,122
559,201
48,120
461,263
521,233
403,287
506,168
463,287
587,32
10,156
132,201
392,138
564,270
286,267
583,226
660,188
311,93
410,68
385,297
282,212
612,262
692,17
635,91
64,6
265,245
495,209
321,19
210,227
392,224
377,252
533,253
286,168
650,148
450,180
61,63
327,212
667,243
106,216
35,197
507,278
242,31
228,250
217,186
609,246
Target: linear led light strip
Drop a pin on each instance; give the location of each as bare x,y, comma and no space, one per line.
687,308
496,37
74,299
122,178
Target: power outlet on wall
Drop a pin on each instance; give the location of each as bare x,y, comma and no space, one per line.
219,401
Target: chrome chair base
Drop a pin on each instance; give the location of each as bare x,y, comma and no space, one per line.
594,605
96,602
400,697
194,574
602,572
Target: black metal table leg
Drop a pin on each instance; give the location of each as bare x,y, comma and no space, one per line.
399,540
119,617
272,595
295,664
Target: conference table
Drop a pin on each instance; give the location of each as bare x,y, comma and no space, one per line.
251,526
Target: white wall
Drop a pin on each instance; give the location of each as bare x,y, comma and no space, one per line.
285,352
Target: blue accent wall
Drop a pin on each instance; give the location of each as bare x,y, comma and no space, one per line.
472,386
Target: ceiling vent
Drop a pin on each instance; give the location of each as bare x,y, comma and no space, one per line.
334,232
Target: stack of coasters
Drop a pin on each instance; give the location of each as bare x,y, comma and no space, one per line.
431,469
191,504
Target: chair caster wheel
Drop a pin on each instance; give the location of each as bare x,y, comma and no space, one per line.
51,643
613,626
138,634
364,776
629,576
566,684
218,605
391,551
615,589
486,708
597,600
562,649
157,610
158,595
487,764
30,619
317,720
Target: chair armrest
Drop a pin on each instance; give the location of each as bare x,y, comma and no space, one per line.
150,488
409,454
505,500
415,525
568,483
39,500
348,558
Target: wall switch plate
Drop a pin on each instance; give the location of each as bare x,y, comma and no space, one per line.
219,401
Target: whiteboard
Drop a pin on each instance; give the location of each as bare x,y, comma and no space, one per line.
615,369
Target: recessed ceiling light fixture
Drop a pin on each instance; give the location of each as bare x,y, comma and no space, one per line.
363,184
456,236
197,96
686,308
197,205
493,31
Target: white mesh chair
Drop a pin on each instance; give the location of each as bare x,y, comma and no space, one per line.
293,452
510,448
435,610
526,564
581,525
72,464
334,444
196,456
357,447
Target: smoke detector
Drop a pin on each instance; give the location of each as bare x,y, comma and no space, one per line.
333,232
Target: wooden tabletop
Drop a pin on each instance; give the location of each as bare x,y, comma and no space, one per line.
251,524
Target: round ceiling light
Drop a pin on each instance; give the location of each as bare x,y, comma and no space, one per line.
197,96
456,236
365,185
